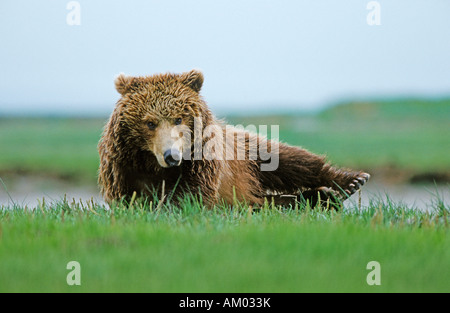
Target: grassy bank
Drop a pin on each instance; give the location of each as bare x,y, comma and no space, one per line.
64,148
145,247
163,248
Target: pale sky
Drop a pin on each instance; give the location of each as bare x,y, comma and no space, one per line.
256,55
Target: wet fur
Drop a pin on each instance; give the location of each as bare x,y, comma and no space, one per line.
128,164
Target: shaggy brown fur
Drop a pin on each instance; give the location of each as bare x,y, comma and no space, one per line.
133,159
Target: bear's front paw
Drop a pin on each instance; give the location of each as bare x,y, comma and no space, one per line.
356,183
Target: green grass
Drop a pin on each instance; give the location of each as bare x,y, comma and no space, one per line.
411,135
61,147
150,248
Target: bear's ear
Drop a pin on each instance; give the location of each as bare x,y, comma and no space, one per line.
124,84
193,79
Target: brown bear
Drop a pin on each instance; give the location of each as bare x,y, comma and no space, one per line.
162,134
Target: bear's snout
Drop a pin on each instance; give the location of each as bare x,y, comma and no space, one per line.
172,157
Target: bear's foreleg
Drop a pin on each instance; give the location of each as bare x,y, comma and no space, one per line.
300,171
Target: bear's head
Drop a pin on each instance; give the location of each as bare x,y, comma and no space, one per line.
160,114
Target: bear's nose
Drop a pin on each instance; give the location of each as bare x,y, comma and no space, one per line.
172,157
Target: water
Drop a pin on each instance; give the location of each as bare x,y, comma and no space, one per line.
29,191
421,197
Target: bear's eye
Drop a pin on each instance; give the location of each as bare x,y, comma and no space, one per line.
178,121
151,125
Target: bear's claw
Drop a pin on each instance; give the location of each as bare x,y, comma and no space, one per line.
355,184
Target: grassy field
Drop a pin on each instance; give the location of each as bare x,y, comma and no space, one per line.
146,248
60,147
